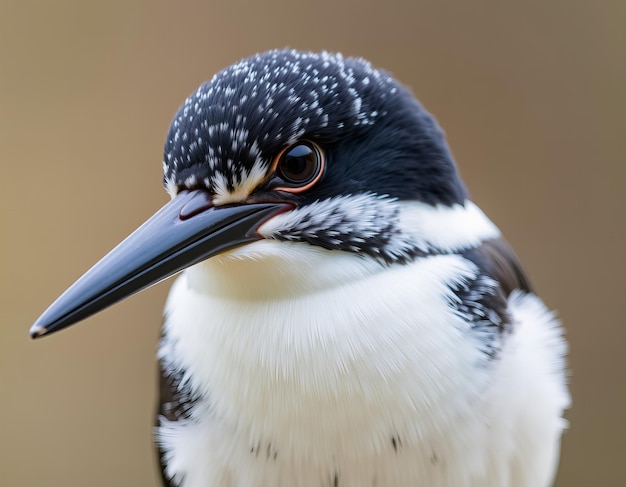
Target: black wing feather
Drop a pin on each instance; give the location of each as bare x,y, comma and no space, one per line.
483,301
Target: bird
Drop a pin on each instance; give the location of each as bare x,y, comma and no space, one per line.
344,315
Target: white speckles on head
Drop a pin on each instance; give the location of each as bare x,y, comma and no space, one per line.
356,103
219,184
243,184
170,186
191,181
261,104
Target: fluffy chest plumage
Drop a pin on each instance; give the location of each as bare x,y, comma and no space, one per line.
373,380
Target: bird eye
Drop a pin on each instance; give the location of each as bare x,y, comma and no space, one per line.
299,166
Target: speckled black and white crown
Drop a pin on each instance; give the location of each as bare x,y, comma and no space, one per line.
224,136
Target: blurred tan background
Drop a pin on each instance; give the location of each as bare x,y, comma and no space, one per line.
532,96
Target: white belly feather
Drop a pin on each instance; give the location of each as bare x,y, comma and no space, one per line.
324,369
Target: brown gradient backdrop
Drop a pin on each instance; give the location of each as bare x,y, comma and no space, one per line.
531,94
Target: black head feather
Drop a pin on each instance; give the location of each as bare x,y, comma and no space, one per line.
376,136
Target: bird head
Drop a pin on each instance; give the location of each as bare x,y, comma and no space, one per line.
286,146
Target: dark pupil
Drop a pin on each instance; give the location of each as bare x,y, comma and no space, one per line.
299,164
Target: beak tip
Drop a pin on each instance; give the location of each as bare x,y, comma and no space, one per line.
37,331
185,231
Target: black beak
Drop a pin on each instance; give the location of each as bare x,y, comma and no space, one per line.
185,231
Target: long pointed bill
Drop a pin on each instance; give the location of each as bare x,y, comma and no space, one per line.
184,232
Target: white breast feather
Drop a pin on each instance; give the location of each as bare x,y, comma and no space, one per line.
318,364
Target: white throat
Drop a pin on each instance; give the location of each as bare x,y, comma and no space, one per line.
277,330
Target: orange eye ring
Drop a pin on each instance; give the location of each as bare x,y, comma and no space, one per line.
298,167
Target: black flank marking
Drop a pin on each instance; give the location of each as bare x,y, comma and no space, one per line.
483,301
176,401
336,480
176,397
